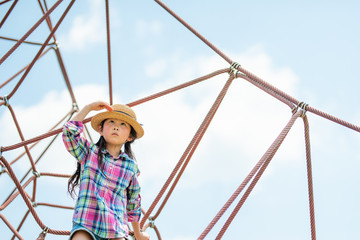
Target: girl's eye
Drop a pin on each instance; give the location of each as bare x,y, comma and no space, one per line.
123,124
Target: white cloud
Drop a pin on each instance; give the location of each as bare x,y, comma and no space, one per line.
87,29
244,127
38,119
246,124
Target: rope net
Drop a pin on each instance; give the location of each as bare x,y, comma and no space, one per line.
297,108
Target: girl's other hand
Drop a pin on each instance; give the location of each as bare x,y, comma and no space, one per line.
99,105
144,236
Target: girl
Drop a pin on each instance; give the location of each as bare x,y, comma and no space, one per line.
109,194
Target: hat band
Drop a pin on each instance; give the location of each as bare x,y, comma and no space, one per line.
124,113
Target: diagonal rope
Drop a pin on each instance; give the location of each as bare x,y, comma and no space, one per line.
37,24
8,12
266,160
235,70
188,153
196,33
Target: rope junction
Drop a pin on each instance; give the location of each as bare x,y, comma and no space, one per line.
298,109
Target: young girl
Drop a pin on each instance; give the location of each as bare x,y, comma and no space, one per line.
109,193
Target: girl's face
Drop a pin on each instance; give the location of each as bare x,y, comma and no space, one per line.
115,132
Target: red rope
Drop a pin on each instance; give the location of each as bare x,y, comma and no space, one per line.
266,160
109,50
188,153
30,31
8,12
16,233
23,69
255,174
196,33
310,179
27,201
42,47
179,87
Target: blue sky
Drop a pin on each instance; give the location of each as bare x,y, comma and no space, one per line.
308,49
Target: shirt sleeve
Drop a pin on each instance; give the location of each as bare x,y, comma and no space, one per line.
133,198
76,144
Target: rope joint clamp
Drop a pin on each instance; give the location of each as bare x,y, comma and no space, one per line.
75,107
302,106
234,69
45,231
6,100
151,222
2,170
36,173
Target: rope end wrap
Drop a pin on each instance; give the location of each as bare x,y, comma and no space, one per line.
43,234
234,69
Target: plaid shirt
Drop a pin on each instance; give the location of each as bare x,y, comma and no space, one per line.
107,200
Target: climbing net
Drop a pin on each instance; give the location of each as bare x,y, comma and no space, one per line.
298,110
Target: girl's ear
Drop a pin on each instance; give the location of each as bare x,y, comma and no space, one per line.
130,138
100,129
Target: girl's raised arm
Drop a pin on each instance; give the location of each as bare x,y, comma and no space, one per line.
95,106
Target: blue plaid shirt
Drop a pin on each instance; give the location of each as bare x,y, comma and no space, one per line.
107,199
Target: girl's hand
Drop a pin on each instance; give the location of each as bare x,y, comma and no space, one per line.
97,106
143,236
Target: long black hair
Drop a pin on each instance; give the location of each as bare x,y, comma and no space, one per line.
101,144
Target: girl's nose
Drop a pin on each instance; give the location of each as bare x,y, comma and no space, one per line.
116,128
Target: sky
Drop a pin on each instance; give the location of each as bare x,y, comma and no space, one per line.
308,49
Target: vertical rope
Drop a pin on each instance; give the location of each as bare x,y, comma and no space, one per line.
310,179
109,50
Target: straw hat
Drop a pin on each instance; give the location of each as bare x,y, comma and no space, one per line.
121,112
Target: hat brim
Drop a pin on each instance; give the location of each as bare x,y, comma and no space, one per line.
98,118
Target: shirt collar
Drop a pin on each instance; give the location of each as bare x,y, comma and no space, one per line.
121,155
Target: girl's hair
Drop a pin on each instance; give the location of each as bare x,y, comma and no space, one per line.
101,144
